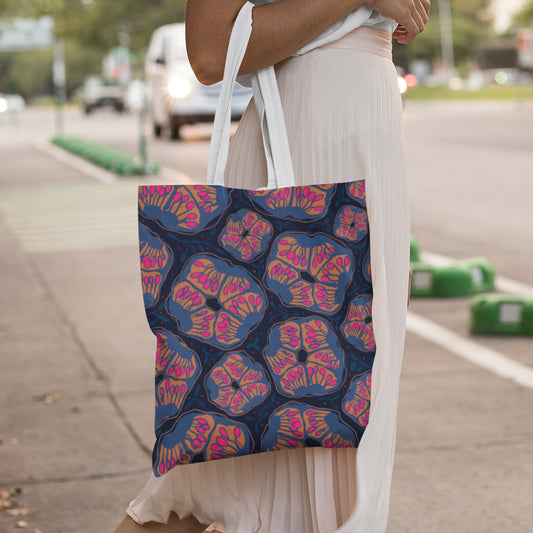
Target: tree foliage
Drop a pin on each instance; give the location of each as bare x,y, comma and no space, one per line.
470,26
524,17
101,24
30,73
95,26
90,29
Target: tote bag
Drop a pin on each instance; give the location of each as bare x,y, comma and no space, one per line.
261,300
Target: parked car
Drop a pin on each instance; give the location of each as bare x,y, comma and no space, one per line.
11,103
99,92
175,96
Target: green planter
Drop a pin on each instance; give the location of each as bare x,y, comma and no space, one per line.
463,278
414,254
113,160
496,314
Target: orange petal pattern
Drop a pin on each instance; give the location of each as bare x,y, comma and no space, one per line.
298,424
156,259
308,202
356,403
237,384
177,369
246,235
216,302
309,271
304,357
357,327
181,208
201,437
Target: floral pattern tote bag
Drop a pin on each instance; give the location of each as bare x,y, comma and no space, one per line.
261,300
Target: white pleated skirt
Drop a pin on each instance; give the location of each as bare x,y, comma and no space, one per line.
343,114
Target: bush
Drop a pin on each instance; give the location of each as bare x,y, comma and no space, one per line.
113,160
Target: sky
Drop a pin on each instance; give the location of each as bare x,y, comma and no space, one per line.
503,10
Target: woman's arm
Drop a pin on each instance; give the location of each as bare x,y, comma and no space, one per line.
279,29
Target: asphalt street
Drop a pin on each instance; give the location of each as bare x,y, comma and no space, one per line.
76,354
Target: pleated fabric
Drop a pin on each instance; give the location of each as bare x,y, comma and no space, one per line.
343,114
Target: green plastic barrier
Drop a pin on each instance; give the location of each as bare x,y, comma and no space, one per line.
462,278
497,314
414,250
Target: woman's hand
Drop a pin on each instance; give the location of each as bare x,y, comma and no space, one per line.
411,15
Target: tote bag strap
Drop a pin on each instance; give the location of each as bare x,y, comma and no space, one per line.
268,106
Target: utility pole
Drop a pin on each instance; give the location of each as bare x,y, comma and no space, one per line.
60,86
143,151
446,37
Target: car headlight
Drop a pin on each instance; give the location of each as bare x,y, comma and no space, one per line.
3,105
179,87
402,84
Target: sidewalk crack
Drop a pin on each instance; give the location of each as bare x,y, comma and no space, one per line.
97,372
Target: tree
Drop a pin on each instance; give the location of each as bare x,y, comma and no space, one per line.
90,29
524,17
470,26
102,24
30,73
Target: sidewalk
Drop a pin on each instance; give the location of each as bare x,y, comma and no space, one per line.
76,381
76,377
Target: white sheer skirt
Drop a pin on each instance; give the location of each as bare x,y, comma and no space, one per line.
344,120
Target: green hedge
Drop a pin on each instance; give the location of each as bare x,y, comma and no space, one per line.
513,92
113,160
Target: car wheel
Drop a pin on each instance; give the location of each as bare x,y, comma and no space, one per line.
119,108
88,109
175,129
158,130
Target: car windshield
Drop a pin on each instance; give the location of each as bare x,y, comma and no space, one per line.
100,82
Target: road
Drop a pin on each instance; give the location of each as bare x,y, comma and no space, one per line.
464,452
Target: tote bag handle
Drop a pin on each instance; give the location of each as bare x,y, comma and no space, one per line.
268,106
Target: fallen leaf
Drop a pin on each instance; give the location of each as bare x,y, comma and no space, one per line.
77,409
22,524
5,504
49,397
18,512
14,441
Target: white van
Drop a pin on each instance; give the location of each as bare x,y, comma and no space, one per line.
176,97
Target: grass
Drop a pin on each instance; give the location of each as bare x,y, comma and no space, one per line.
512,92
113,160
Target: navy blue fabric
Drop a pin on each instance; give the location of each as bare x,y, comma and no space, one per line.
257,384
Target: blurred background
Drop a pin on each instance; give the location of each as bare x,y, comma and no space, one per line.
97,97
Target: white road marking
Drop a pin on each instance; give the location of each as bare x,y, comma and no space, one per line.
471,351
468,349
503,284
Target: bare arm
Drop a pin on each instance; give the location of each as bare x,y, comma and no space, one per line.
280,28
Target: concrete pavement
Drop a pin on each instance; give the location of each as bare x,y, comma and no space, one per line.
77,369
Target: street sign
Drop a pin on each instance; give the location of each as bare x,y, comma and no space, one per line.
21,34
525,47
117,65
